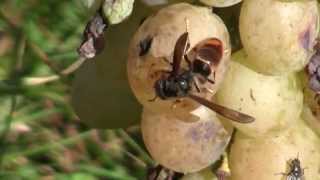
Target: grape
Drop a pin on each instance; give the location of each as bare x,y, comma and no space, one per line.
265,158
101,95
92,100
184,146
164,28
312,117
114,13
220,3
205,174
275,101
278,36
91,5
311,109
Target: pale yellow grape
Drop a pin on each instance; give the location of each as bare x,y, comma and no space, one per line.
184,146
165,27
220,3
265,158
274,101
278,36
205,174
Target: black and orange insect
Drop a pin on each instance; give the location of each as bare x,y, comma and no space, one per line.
180,81
205,57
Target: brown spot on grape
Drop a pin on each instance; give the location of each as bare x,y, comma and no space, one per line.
251,95
145,45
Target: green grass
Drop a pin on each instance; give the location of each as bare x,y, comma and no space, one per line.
40,136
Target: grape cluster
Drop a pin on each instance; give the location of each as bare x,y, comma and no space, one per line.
178,132
266,80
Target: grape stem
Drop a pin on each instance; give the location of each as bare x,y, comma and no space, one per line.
33,81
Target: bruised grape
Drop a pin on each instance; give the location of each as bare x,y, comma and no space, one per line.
184,146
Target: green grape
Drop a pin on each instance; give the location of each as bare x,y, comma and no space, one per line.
91,5
94,101
164,28
278,36
117,11
274,101
184,146
101,95
266,158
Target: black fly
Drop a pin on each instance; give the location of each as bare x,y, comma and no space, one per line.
295,170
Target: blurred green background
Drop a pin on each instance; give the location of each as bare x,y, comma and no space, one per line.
40,136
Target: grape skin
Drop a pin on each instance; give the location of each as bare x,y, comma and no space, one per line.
283,36
274,101
265,158
181,146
